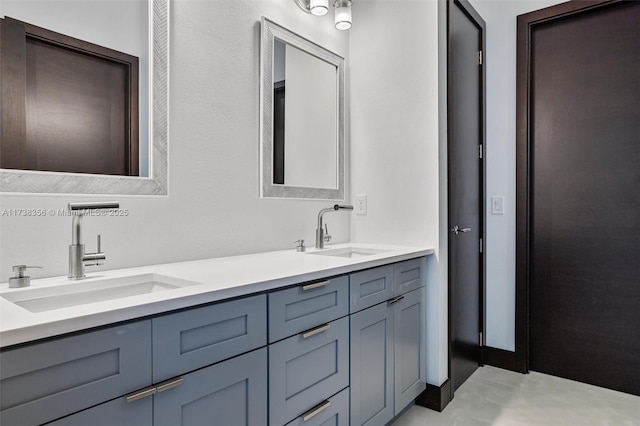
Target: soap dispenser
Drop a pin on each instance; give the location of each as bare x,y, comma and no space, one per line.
20,280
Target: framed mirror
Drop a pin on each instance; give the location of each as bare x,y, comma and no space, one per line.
148,20
302,117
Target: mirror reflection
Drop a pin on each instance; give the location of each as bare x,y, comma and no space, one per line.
76,98
304,119
302,134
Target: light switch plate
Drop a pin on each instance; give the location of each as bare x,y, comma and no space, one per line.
361,204
497,205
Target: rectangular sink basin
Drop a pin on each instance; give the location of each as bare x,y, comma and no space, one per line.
347,252
83,292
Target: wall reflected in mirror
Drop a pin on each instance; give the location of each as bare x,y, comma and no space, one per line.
77,97
305,138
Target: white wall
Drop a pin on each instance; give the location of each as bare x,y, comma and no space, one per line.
500,17
213,208
394,140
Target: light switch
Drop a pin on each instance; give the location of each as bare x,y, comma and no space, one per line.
361,204
497,205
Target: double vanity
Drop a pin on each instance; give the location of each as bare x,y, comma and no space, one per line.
333,336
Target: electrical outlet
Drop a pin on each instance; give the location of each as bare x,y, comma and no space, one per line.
497,205
361,204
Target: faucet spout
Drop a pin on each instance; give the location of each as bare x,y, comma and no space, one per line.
320,232
77,256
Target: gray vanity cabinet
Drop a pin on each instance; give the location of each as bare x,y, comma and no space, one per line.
307,368
230,393
332,412
195,338
51,379
387,365
370,287
117,412
372,366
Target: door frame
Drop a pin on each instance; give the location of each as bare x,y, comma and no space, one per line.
524,178
466,7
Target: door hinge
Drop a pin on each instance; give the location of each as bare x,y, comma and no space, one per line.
480,57
480,340
480,245
480,150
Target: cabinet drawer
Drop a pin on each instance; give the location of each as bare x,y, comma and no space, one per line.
409,275
370,287
117,412
188,340
231,393
332,412
302,370
49,380
297,309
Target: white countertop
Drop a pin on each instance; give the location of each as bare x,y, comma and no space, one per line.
218,279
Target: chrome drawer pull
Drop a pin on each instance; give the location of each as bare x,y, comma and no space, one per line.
141,394
315,331
395,300
316,285
316,410
169,384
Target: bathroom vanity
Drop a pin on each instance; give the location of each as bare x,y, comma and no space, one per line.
280,338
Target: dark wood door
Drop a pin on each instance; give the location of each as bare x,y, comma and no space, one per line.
465,99
585,197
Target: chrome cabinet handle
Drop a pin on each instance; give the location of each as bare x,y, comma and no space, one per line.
143,393
395,300
315,285
315,331
456,229
151,390
316,410
169,384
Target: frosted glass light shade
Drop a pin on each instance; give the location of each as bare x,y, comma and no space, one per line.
319,7
343,15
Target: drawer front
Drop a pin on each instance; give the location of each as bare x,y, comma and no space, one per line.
297,309
192,339
409,275
49,380
233,393
368,288
332,412
113,413
303,371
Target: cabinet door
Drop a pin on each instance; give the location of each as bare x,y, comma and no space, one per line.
192,339
370,287
117,412
409,275
294,310
48,380
307,368
372,366
409,348
231,393
332,412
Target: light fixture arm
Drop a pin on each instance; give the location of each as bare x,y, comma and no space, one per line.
304,5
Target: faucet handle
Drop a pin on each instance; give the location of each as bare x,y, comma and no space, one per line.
327,237
98,243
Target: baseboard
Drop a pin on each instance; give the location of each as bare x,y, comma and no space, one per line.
435,397
501,358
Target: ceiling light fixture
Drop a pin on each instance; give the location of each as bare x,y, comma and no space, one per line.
314,7
343,14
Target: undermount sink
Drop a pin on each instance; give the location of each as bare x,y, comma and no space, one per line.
84,292
348,252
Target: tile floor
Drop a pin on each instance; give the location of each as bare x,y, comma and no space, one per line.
498,397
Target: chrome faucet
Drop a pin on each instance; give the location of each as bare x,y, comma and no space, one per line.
322,235
78,259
